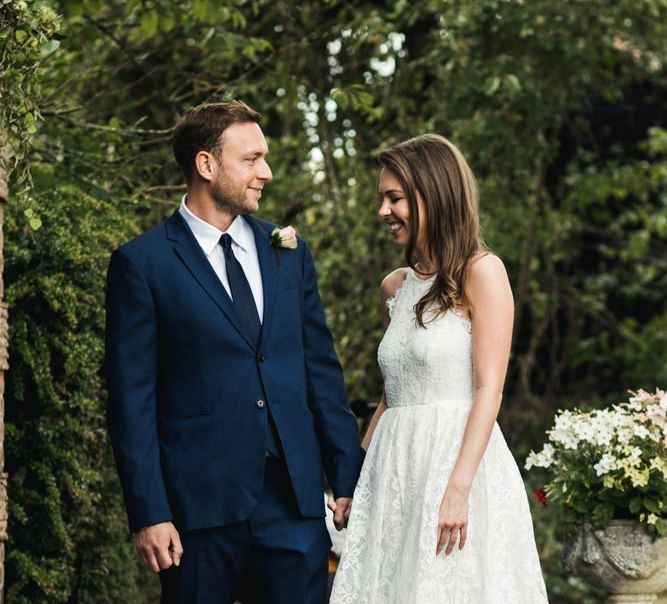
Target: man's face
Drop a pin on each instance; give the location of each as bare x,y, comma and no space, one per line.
242,169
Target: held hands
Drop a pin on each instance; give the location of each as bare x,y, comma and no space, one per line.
453,519
158,546
341,508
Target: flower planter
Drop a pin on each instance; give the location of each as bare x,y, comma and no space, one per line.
622,559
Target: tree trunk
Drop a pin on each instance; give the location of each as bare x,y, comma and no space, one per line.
4,341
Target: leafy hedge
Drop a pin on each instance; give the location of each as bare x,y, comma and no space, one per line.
68,540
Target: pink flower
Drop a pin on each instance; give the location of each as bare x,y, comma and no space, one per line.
285,237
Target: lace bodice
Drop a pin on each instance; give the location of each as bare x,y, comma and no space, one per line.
425,366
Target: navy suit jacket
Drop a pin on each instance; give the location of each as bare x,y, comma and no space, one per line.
184,383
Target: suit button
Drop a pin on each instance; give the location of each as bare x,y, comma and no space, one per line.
261,357
260,404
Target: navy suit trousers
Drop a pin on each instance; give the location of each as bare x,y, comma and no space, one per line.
275,557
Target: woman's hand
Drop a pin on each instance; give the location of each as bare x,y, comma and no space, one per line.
453,519
341,508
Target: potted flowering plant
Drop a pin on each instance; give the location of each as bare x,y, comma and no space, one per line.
607,471
609,462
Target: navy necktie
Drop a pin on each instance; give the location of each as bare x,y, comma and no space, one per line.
244,302
246,309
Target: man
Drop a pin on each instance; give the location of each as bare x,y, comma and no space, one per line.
226,396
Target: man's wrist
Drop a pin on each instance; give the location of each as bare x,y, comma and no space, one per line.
146,526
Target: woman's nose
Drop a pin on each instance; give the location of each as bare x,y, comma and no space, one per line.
384,209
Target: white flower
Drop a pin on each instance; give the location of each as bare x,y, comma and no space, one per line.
603,438
563,431
640,431
656,415
634,406
584,429
606,464
625,434
660,464
652,519
603,428
663,399
640,396
543,459
635,453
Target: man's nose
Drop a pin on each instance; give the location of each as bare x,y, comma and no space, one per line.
265,172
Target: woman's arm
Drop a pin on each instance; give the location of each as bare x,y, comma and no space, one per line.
492,313
388,289
366,440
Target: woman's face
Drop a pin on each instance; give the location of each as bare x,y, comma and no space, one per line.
395,210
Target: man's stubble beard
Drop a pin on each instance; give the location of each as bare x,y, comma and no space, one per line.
230,199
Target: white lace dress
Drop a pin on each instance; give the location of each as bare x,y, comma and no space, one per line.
389,553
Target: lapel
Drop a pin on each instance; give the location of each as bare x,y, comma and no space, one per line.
191,254
266,255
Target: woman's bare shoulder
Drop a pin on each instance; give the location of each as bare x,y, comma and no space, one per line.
392,282
485,265
487,279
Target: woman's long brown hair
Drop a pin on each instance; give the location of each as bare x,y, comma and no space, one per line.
431,167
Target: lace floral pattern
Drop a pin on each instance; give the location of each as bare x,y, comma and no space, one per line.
389,553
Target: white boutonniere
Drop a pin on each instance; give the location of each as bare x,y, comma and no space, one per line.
283,238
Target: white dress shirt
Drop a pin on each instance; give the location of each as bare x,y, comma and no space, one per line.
243,246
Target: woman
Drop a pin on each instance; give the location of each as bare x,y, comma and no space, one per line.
440,513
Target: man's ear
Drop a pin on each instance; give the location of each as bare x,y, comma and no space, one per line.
206,165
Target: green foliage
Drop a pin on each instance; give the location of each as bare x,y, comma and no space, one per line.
68,538
27,31
557,106
618,213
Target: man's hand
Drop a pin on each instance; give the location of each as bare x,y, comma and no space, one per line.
159,546
341,509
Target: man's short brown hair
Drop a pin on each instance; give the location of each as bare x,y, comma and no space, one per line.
200,129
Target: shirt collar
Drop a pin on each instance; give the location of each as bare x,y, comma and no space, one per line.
208,236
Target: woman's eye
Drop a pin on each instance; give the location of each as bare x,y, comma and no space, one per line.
392,200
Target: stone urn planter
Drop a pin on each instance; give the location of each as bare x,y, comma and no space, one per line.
622,559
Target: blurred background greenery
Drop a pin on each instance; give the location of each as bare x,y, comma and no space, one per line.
560,108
